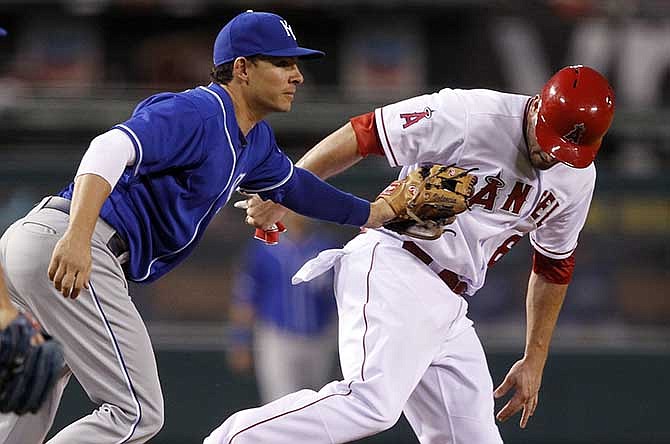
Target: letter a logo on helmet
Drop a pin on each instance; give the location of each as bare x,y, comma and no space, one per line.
576,110
575,136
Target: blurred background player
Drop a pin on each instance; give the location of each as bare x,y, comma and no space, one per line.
288,334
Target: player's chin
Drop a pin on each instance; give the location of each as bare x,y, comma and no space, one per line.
287,103
282,106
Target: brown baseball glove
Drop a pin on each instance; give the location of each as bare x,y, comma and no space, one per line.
428,199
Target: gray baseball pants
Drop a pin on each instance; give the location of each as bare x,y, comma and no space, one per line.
106,344
287,362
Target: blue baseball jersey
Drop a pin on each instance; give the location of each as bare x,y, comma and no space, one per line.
190,156
264,283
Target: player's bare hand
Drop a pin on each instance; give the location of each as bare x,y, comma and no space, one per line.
524,378
262,214
70,266
380,213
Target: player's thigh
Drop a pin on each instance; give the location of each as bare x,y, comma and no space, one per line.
26,252
394,314
453,402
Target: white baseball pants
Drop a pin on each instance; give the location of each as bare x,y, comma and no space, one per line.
406,345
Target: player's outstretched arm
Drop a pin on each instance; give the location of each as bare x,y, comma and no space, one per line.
70,266
334,154
543,304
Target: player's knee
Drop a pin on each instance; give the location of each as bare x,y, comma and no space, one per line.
383,411
384,420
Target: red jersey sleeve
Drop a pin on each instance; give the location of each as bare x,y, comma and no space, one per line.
556,271
365,128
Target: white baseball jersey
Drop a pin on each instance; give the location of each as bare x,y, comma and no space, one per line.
483,129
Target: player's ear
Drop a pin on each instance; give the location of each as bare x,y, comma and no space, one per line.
240,66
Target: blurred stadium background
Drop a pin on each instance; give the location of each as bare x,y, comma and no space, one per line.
70,69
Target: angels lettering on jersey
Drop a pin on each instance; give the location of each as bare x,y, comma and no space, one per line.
514,199
495,196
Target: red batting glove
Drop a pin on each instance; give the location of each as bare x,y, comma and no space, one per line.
271,236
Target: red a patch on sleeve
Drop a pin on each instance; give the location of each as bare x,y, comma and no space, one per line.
412,118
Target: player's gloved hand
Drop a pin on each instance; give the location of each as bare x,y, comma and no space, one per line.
428,200
525,377
30,363
265,215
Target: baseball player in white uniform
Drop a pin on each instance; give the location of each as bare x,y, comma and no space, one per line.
406,343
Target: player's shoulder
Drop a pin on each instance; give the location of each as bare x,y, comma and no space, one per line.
205,101
492,103
178,103
573,181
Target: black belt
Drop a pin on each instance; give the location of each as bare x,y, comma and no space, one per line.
448,277
116,244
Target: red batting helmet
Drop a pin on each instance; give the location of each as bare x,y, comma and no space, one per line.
576,110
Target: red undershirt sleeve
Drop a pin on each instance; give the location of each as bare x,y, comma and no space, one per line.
556,271
365,128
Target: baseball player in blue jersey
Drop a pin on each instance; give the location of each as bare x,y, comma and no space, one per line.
141,199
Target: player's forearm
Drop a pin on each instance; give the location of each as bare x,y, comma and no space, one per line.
543,304
310,196
334,154
90,192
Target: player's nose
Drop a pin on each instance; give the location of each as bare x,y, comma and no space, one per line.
296,76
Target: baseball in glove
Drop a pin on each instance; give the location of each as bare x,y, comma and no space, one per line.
28,370
428,200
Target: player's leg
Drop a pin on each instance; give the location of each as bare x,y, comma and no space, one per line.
105,342
316,357
274,355
393,318
453,403
287,362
